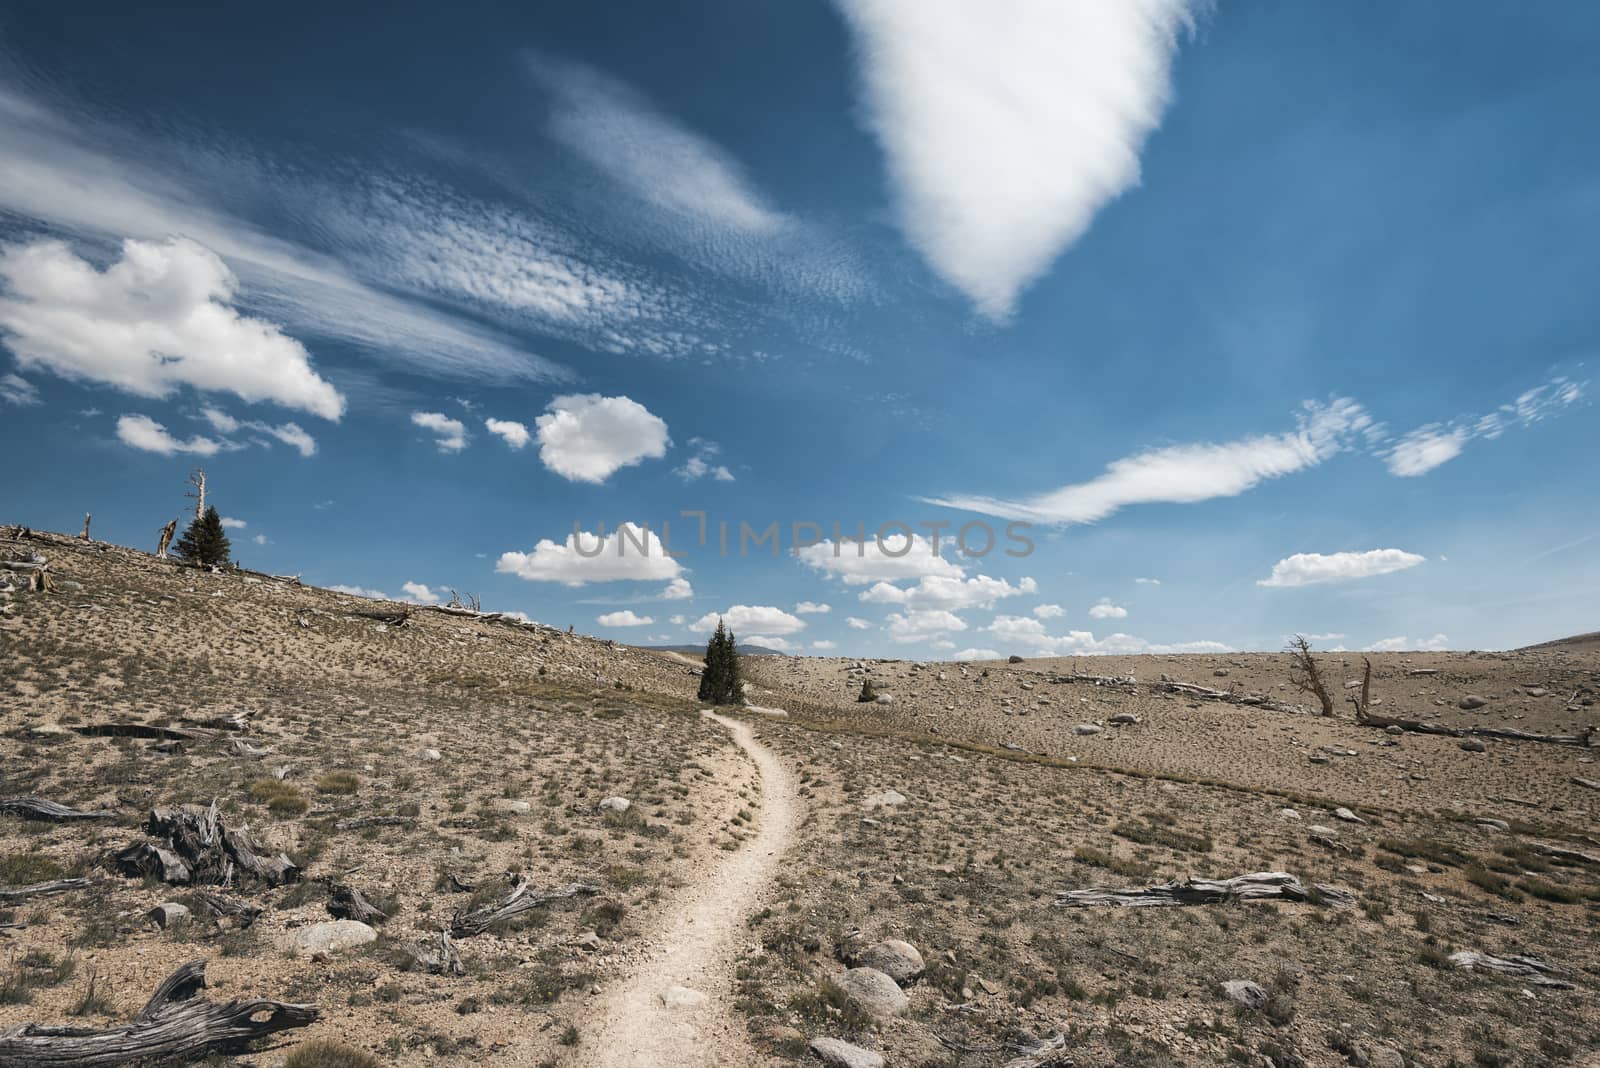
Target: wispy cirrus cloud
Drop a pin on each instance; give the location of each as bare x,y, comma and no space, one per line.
1421,450
1007,126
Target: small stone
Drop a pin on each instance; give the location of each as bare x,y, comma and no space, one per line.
1123,719
1472,745
1472,701
885,699
1536,691
886,799
1244,992
1221,673
1318,758
1394,728
1346,815
615,804
682,999
429,755
169,914
1288,814
837,1053
1087,729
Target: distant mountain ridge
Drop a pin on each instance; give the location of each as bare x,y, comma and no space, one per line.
1591,640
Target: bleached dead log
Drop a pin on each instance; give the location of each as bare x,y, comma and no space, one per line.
240,747
1040,1053
176,1025
393,617
11,895
37,808
1256,886
1528,969
1590,783
140,730
1509,734
360,822
1420,672
519,899
1128,684
236,721
1566,856
346,903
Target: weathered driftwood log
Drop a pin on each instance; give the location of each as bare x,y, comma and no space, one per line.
1590,783
176,1025
1128,684
1528,969
214,851
140,730
437,956
240,747
142,859
37,808
1584,740
10,895
1256,886
396,617
1040,1053
1562,855
346,903
357,823
519,899
241,913
236,721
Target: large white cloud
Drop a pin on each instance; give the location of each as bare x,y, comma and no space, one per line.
158,318
746,618
1031,635
890,560
513,433
1104,609
449,434
610,558
1007,125
1187,473
586,437
1306,569
143,432
942,591
623,618
921,625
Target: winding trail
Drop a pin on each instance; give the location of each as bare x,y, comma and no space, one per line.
698,944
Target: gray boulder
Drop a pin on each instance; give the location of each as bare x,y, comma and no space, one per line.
872,992
898,960
837,1053
1087,728
1472,701
332,936
169,914
1244,992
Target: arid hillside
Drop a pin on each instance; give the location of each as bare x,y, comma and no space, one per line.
451,839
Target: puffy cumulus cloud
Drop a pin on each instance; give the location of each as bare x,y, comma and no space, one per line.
416,591
624,618
811,608
824,644
513,433
1104,609
158,318
941,591
1031,634
922,625
747,618
769,641
586,437
1048,611
449,434
1006,127
143,432
1185,474
703,463
893,559
1306,569
857,623
1423,645
587,557
677,590
14,389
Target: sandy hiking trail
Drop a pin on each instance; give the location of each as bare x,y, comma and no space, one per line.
697,946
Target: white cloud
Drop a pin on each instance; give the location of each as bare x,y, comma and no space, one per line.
857,623
513,433
677,590
451,434
14,389
1007,127
1331,636
1104,609
703,463
890,560
941,591
1030,634
747,617
360,591
233,524
916,626
624,618
678,621
1048,611
1184,474
765,641
586,437
824,643
416,591
603,558
143,432
1390,645
260,539
288,433
159,317
1421,450
976,654
812,608
1148,581
291,434
652,155
1306,569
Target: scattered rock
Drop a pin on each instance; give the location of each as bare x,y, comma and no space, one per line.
898,960
1346,815
1318,758
1123,719
169,914
1492,824
1394,728
837,1053
1244,992
1221,673
429,755
1317,828
1472,745
330,936
615,804
1536,691
1288,814
885,699
1087,728
682,999
513,806
1381,1056
872,992
1472,701
1014,659
886,799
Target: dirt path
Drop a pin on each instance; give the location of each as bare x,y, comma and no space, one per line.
697,946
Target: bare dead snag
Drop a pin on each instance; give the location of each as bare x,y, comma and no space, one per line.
347,903
167,533
1303,673
1365,699
85,535
197,491
438,956
177,1025
519,899
40,810
14,894
215,850
1256,886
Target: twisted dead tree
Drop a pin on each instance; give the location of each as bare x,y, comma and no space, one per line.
43,811
176,1025
519,899
1256,886
1303,673
167,534
1365,699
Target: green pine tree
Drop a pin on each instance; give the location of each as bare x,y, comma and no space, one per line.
205,542
719,681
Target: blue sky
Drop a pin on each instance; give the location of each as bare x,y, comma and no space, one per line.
1267,318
